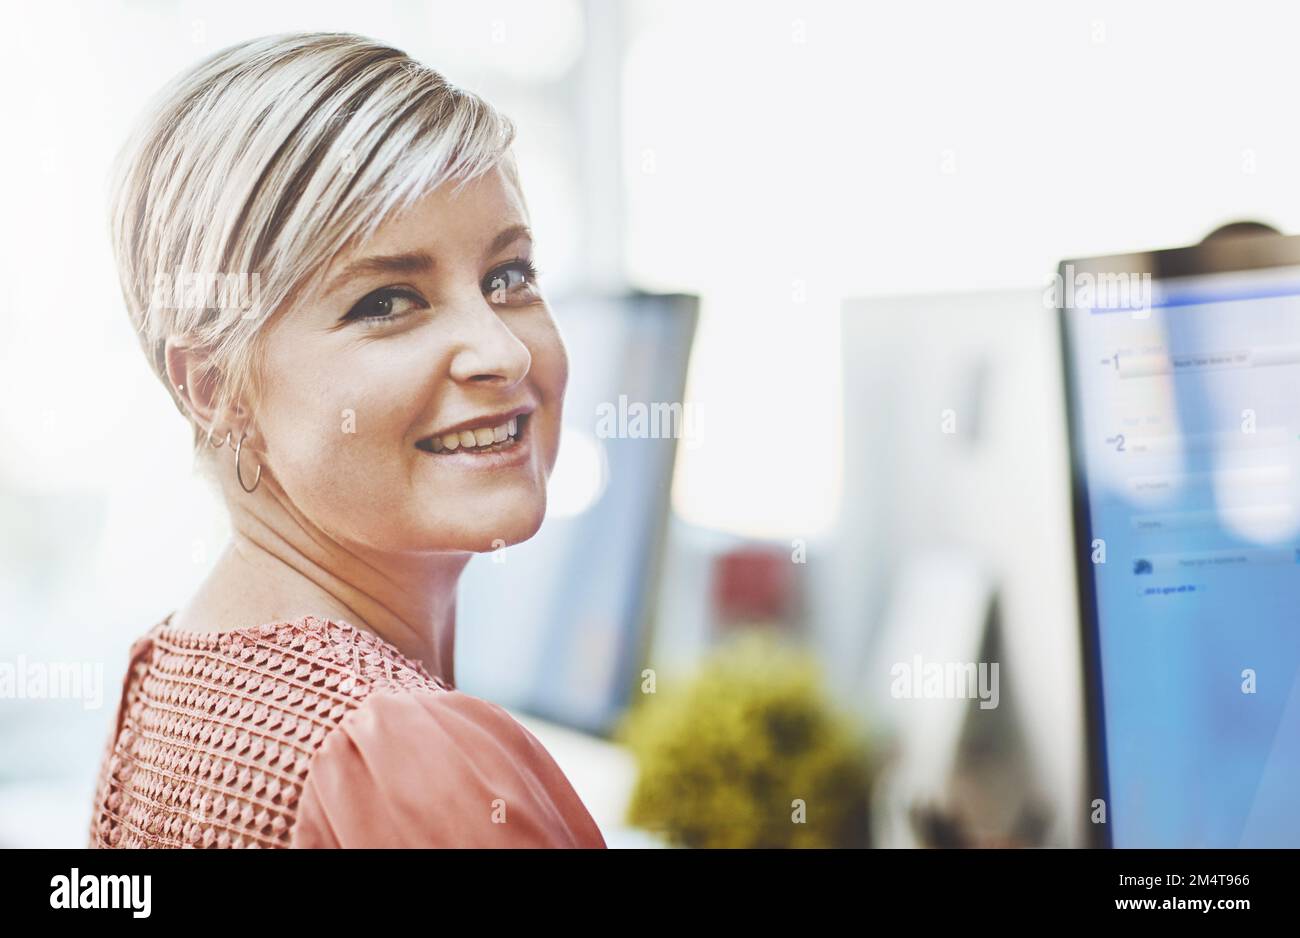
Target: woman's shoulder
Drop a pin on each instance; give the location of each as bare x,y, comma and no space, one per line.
313,733
413,768
216,731
323,652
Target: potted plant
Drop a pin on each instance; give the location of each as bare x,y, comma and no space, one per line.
748,753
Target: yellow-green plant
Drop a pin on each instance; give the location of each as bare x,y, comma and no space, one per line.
748,753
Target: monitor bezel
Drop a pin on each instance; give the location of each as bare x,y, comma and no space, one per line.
1215,256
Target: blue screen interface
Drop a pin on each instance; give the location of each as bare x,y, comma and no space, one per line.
1187,438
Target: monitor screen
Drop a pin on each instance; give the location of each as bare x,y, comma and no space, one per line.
1185,426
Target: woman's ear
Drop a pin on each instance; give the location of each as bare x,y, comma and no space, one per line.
196,383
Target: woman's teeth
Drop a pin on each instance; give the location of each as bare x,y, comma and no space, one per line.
486,438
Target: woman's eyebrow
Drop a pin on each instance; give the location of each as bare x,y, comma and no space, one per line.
414,262
507,237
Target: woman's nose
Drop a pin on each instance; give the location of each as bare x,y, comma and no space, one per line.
486,350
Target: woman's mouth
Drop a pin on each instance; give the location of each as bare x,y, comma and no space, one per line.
479,441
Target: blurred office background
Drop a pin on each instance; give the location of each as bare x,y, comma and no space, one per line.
818,224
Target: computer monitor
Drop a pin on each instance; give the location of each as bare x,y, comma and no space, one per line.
1183,397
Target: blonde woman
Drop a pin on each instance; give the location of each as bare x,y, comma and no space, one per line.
383,401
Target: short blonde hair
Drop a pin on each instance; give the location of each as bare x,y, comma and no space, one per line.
256,167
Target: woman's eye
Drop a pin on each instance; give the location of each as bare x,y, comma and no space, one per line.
514,284
385,305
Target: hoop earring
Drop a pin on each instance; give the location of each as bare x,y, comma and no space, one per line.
238,474
225,442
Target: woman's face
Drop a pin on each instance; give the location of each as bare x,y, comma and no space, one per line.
412,402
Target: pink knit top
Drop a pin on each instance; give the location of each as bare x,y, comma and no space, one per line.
313,733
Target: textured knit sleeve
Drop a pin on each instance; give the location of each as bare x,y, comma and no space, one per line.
139,651
437,769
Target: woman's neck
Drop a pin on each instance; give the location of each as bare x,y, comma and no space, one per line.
278,566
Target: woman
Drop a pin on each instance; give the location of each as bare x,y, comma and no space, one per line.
325,252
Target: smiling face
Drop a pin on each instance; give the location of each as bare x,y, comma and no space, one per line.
427,338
